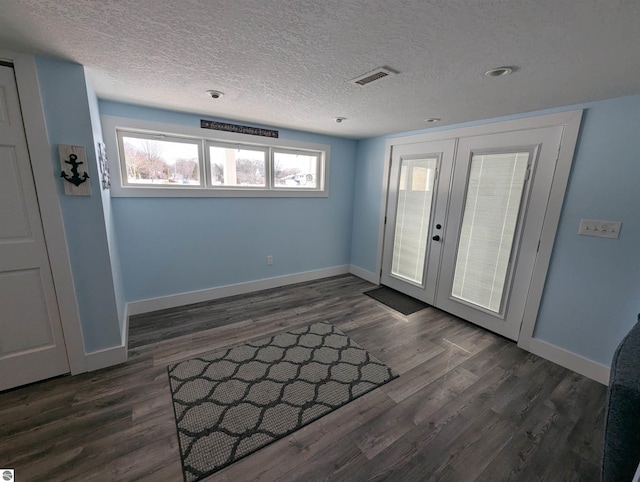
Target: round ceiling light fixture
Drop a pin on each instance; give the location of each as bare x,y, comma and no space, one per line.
500,71
215,94
433,120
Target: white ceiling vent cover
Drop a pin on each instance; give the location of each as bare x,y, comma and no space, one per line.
379,73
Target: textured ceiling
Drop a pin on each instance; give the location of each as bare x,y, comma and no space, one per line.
287,63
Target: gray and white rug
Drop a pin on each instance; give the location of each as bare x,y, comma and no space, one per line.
231,402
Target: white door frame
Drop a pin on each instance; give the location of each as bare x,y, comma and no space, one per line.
570,120
46,184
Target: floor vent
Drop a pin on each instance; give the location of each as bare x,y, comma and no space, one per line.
379,73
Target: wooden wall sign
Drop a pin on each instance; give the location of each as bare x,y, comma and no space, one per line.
74,170
237,128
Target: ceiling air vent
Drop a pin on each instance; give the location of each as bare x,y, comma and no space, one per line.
377,74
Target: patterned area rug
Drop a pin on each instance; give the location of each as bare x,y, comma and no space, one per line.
231,402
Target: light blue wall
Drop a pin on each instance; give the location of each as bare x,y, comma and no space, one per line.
175,245
68,119
114,256
592,294
367,202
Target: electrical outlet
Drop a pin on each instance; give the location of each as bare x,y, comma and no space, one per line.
269,260
600,229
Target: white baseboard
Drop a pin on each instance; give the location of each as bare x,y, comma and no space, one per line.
110,356
364,274
181,299
570,360
106,358
118,354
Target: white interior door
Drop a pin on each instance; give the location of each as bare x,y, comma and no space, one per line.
31,340
462,232
417,201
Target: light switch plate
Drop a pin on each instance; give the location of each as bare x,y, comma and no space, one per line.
600,229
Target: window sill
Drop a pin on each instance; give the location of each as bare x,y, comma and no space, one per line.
194,192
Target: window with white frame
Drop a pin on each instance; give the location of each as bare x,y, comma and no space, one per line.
237,166
295,169
159,160
159,163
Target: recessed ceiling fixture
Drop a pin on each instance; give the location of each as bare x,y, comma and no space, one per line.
379,73
433,120
499,71
214,94
339,120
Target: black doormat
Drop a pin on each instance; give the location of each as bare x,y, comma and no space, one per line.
233,401
396,300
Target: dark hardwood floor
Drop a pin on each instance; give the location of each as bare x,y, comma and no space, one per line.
468,405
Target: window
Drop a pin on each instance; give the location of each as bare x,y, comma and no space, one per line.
159,160
237,166
160,163
295,169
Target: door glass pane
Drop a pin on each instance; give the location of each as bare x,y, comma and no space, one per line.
415,195
492,206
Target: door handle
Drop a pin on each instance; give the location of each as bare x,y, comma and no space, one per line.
436,237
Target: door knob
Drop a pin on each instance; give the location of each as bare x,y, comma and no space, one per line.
436,238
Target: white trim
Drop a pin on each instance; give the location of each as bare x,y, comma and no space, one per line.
549,228
532,122
364,274
50,211
111,356
106,358
181,299
383,208
110,125
577,363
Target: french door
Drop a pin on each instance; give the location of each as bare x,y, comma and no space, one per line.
416,209
464,219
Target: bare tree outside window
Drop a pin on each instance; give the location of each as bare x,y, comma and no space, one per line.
161,161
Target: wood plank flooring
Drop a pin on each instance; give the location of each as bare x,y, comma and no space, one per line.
468,405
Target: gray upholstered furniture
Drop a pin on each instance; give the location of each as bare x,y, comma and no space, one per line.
622,425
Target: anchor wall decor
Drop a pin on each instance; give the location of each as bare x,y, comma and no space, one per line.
74,170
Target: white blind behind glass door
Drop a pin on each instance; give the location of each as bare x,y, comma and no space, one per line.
490,217
415,196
